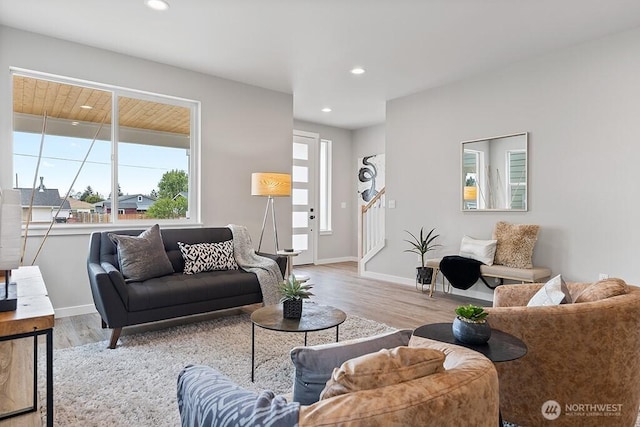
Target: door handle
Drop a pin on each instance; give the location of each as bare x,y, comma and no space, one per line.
312,217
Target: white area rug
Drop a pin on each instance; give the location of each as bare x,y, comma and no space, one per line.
135,384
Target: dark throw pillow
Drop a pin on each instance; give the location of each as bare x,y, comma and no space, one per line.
142,257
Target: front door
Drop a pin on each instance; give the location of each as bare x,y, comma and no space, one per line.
303,196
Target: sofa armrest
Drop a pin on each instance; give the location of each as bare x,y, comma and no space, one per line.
280,260
107,297
514,295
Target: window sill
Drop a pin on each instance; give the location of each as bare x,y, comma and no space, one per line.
36,230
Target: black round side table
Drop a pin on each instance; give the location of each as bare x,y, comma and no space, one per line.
501,347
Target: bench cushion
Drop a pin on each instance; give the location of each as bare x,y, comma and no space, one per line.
531,275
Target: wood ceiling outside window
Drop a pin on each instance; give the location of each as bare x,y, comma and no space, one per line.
63,101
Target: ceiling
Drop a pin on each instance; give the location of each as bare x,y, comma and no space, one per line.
37,97
307,47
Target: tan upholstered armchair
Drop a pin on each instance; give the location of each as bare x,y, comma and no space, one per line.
584,357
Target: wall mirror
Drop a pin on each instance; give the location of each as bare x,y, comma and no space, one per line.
494,173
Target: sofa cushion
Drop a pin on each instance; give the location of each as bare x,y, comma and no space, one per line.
554,292
603,289
384,368
201,257
179,288
208,398
142,257
481,250
314,365
515,244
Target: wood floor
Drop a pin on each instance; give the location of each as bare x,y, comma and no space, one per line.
338,285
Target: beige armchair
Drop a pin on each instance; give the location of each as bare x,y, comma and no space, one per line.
465,394
583,359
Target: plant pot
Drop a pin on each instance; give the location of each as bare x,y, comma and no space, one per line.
292,309
469,332
423,275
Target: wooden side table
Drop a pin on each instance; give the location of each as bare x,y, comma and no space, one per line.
289,256
33,317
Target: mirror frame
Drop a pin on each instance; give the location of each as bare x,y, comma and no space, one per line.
463,180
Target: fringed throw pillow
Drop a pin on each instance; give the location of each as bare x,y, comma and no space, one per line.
515,244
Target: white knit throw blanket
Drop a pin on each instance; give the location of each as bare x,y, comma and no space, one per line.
266,269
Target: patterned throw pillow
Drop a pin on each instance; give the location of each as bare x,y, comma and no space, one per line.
142,257
201,257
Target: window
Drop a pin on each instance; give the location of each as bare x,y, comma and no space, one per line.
86,167
517,173
325,186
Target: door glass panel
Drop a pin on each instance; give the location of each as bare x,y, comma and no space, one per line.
300,151
300,196
300,174
300,242
300,219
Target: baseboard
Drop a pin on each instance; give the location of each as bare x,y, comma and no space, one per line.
335,260
471,293
75,311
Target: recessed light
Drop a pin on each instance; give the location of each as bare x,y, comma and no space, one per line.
86,107
157,4
326,110
75,123
357,70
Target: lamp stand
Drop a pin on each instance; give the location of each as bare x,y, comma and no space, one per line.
264,223
8,294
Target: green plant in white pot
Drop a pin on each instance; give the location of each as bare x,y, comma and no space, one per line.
420,245
293,292
470,325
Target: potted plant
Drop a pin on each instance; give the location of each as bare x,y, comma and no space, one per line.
421,245
293,292
470,325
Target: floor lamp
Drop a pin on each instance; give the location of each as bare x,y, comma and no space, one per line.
271,185
10,227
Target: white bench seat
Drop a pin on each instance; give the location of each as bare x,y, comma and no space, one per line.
524,275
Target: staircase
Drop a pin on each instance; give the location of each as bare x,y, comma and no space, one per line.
371,233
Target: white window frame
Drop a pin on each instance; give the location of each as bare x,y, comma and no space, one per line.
324,181
194,203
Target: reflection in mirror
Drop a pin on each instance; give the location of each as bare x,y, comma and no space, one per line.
494,173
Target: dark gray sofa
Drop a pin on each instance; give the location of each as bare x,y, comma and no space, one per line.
123,304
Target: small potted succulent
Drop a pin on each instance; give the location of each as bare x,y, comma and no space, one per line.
293,292
420,245
470,325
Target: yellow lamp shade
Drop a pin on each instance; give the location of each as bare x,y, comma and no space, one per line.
470,193
270,184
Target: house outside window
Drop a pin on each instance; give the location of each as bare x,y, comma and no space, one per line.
138,167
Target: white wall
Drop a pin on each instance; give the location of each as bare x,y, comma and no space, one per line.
581,106
367,141
244,129
337,246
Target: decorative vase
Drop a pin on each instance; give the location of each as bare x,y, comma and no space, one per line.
292,309
470,332
423,275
